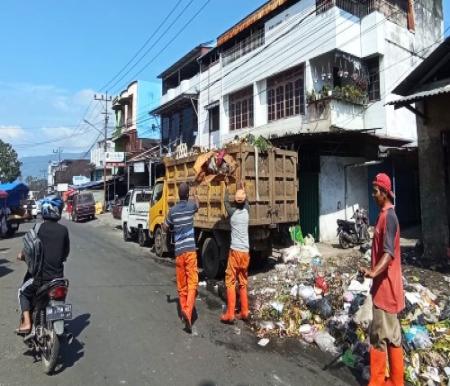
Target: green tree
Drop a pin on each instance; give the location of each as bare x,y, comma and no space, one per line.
9,164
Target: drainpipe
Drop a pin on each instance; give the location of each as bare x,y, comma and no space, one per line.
356,165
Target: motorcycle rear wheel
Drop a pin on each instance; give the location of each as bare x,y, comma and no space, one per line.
343,242
49,359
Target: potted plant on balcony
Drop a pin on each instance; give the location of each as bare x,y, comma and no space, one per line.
337,92
326,90
311,96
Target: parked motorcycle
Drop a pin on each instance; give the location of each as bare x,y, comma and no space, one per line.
48,316
356,232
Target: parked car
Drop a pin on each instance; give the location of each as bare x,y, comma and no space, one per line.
83,206
135,215
117,209
31,208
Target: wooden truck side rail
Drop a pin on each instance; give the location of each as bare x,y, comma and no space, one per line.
270,180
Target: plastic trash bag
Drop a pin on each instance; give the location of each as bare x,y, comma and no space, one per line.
306,293
309,240
326,342
296,234
417,336
321,307
356,304
291,254
364,315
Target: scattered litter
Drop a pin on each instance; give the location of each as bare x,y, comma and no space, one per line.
356,286
277,306
320,301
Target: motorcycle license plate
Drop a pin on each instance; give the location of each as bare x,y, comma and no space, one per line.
63,311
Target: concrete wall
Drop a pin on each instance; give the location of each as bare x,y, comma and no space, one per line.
332,192
148,96
433,197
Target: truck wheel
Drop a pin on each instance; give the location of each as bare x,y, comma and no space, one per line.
210,258
142,237
126,235
158,244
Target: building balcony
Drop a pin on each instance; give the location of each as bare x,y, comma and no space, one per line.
187,86
331,112
389,8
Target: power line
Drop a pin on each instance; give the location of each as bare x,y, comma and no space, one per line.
143,46
171,40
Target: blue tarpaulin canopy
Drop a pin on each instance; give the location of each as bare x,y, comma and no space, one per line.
17,191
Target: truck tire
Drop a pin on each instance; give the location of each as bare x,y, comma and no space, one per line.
211,258
158,242
142,237
126,234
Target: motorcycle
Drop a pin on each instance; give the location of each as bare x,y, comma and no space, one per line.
356,232
48,316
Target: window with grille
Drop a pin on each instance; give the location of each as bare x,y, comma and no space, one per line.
286,94
241,109
255,39
373,66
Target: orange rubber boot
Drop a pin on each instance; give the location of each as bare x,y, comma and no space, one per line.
396,366
244,304
377,367
228,317
187,312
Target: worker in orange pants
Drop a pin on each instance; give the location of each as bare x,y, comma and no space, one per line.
187,283
180,220
239,257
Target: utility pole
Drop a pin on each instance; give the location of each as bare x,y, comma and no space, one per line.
104,98
58,151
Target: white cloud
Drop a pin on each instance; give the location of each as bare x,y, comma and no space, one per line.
8,133
46,113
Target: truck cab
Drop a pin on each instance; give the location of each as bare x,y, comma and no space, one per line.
156,216
135,215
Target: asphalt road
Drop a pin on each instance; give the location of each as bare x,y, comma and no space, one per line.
127,331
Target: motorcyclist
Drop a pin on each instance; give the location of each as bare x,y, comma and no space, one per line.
56,247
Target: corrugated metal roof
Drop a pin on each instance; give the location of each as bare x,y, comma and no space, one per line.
421,95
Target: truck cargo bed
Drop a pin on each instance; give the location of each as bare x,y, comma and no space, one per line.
270,180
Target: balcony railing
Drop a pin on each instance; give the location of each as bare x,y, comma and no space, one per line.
351,6
391,9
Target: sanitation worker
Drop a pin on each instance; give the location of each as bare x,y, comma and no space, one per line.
238,257
387,290
180,220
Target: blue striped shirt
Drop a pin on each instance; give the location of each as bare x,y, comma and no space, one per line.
180,219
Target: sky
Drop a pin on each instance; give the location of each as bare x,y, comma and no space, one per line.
57,54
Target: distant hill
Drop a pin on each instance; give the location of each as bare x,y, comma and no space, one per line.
33,166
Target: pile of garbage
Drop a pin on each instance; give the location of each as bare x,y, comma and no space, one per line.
326,302
211,164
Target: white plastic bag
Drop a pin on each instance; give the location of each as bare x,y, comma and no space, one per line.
364,315
326,342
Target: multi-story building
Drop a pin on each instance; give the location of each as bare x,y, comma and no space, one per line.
315,75
98,159
178,111
135,130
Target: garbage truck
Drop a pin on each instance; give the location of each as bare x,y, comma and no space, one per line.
271,184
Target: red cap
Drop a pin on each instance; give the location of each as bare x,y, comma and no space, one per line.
383,181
